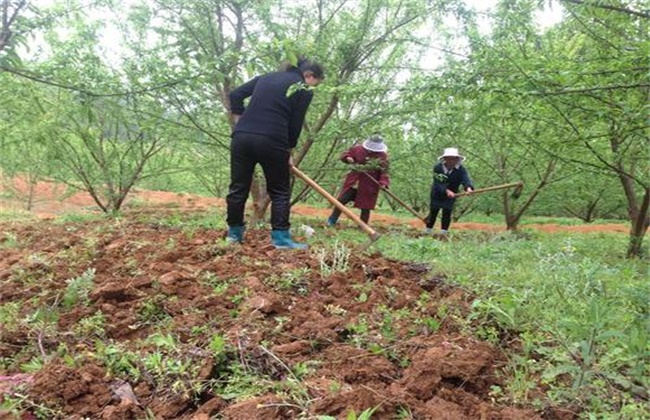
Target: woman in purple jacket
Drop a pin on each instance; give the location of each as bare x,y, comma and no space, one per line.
265,132
371,161
448,175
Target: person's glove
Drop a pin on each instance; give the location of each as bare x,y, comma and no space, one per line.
349,159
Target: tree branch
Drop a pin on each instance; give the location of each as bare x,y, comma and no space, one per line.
644,15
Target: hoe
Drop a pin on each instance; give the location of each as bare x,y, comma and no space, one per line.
516,193
396,198
367,229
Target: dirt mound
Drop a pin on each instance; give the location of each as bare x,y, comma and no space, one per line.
136,317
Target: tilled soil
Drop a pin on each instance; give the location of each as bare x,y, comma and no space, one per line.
176,324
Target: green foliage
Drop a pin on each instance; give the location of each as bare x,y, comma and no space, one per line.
352,415
295,280
219,285
152,310
17,403
334,259
92,326
78,289
240,384
563,108
577,308
9,315
117,360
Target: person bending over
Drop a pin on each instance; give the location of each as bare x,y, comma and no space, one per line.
362,183
448,175
265,132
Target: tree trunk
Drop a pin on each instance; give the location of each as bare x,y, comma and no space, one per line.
513,217
260,197
640,224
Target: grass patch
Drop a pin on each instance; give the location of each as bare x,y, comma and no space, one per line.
577,306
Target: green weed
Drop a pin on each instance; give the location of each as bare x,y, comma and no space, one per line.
9,316
78,289
352,415
219,285
580,305
152,310
294,280
9,240
118,360
334,259
17,403
91,326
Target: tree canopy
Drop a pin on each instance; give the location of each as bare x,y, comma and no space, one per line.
128,93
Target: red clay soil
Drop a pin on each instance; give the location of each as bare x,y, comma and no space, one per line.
357,330
377,333
50,200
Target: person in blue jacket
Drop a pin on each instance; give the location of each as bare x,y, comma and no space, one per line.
265,131
448,175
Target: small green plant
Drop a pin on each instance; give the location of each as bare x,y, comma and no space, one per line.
334,261
218,347
352,415
335,387
358,331
43,323
303,369
219,285
117,360
9,316
294,280
17,403
9,240
132,267
431,324
33,366
297,280
241,384
280,321
162,341
153,310
239,297
91,326
403,413
170,245
364,291
391,292
78,289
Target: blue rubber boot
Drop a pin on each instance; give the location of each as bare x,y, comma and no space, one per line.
235,234
281,239
331,221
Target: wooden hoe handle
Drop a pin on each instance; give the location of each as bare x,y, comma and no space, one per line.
494,188
396,198
329,197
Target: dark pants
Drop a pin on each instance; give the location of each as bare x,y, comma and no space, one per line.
345,198
247,150
433,214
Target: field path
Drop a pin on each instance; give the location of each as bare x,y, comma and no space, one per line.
49,200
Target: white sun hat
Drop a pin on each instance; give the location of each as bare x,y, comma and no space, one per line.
375,144
451,152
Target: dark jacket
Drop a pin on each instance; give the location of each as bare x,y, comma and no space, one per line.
270,111
367,190
450,181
